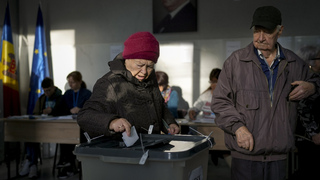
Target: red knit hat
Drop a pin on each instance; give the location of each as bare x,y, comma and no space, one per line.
141,45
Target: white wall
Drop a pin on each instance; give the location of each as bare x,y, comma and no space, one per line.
81,33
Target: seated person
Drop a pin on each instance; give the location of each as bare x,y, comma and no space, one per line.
128,95
45,105
202,106
170,96
72,101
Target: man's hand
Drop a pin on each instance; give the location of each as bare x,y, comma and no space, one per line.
75,110
303,90
47,110
244,138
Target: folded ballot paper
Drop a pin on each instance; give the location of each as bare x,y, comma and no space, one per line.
130,140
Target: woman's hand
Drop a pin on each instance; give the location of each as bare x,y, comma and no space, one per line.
120,125
173,129
192,114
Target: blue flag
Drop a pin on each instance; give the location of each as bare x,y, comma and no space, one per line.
9,71
40,69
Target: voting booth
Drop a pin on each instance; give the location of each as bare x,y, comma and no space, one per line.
153,156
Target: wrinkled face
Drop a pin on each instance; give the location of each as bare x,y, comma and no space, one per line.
74,85
139,68
264,39
48,91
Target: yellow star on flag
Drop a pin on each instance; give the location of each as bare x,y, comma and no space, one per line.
36,51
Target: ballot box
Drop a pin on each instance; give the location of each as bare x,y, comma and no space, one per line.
153,156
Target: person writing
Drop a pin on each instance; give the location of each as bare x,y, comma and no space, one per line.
256,100
170,96
47,101
203,103
45,104
128,95
73,100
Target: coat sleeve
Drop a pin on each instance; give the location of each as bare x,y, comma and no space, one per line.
227,117
99,110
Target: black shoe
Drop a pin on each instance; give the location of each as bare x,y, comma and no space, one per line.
62,175
63,164
65,173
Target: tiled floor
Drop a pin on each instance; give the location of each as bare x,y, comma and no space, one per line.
215,172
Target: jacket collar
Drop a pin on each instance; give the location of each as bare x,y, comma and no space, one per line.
250,54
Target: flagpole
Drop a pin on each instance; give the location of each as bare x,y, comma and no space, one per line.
39,63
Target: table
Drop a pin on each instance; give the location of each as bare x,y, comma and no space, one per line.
60,131
206,128
65,131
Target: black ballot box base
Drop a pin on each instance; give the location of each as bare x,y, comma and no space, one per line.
180,157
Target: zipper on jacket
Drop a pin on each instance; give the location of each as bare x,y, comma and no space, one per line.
279,73
270,86
259,66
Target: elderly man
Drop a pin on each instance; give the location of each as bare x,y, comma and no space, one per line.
256,100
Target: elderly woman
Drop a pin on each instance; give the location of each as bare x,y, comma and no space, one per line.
128,95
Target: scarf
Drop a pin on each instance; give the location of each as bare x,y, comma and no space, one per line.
166,94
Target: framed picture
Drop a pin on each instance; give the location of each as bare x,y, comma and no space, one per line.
170,16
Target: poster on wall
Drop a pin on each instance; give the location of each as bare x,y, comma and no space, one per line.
170,16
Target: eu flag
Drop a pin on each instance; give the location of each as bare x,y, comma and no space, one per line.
8,71
40,68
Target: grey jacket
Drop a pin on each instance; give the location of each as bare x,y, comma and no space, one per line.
120,95
241,98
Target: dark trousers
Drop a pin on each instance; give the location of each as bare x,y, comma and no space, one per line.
257,170
308,160
66,153
33,152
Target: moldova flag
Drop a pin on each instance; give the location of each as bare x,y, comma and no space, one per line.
8,71
40,69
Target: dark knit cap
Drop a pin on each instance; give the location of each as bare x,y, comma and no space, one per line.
267,16
141,45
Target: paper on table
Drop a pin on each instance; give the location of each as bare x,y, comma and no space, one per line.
56,117
204,120
130,140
